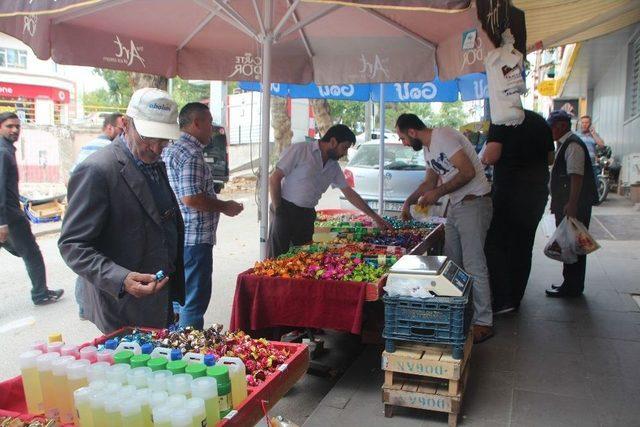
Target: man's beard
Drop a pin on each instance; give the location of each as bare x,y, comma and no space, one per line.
416,144
333,155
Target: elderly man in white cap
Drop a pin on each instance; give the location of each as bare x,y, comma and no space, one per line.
123,233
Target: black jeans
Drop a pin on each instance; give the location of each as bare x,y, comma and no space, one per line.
291,225
574,274
509,244
22,243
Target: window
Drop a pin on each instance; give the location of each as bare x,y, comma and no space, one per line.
396,157
13,58
633,79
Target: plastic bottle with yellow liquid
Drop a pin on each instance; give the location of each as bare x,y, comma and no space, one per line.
97,371
31,381
181,418
63,396
45,373
82,414
112,411
238,377
158,380
180,384
221,375
139,376
144,397
206,388
98,414
77,374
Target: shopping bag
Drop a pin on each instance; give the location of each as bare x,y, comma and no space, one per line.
585,243
562,245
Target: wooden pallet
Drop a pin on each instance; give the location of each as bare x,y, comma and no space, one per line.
425,377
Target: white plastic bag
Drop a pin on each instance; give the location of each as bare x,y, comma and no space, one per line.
504,67
585,243
562,245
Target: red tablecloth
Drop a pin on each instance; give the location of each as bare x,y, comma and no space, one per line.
265,302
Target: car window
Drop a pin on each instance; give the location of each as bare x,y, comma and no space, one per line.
396,157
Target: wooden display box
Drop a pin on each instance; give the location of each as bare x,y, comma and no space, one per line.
425,377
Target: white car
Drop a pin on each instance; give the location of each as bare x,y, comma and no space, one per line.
389,137
404,171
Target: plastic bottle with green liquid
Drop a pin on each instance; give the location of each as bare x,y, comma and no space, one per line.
221,375
31,381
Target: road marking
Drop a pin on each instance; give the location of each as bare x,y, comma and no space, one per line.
17,324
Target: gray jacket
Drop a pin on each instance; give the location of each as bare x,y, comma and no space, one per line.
112,227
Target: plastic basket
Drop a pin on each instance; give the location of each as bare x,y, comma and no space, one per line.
438,320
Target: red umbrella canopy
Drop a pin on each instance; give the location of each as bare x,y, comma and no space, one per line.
324,42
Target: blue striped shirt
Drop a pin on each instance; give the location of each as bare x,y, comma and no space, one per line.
190,175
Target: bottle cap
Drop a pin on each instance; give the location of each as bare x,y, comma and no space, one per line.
220,373
176,401
157,398
39,345
55,347
112,404
89,353
129,407
157,363
158,380
146,348
123,356
96,400
195,405
77,370
44,361
138,376
196,370
176,354
162,414
177,366
28,359
144,396
81,395
55,337
105,355
139,360
97,371
179,384
111,344
70,350
118,373
59,366
181,418
204,388
209,359
125,390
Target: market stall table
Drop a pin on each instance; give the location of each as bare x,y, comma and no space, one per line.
267,302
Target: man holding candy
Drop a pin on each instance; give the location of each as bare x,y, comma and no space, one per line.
123,223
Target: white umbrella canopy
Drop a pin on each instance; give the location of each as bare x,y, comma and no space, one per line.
289,41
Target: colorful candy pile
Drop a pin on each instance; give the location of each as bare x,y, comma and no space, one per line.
260,357
407,239
17,422
337,219
399,224
323,265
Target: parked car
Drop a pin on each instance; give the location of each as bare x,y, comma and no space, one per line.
404,171
389,137
216,155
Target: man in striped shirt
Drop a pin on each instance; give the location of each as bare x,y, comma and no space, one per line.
192,182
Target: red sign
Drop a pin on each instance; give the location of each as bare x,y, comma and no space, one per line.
15,90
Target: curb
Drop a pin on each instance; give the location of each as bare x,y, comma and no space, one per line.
47,232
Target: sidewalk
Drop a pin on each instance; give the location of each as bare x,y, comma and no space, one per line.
555,363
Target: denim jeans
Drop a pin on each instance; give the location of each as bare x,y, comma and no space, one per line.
22,243
198,269
465,234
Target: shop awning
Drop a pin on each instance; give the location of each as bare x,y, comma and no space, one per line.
558,22
17,90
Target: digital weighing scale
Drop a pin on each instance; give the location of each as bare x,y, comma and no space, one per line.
441,275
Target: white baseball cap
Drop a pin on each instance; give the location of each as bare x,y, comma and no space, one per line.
154,113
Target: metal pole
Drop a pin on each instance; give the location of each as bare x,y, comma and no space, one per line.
381,154
267,44
368,113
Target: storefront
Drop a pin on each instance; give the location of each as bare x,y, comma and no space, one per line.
37,104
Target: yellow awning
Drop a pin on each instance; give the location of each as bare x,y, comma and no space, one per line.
559,22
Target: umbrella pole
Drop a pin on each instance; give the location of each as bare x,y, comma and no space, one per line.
381,154
264,153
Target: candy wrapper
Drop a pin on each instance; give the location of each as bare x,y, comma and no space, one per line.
17,422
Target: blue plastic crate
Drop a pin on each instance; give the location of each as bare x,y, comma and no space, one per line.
437,320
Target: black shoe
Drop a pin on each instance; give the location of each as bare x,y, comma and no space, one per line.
52,296
556,286
561,293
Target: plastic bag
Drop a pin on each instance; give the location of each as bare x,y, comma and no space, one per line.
562,245
585,243
504,67
419,213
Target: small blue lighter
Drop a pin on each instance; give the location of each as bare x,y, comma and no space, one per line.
160,275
